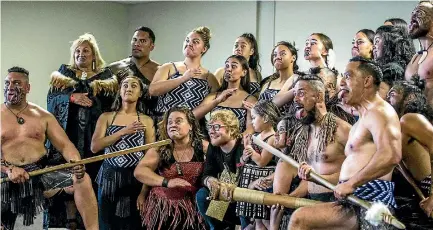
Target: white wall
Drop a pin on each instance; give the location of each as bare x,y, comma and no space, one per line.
295,21
270,21
172,21
37,36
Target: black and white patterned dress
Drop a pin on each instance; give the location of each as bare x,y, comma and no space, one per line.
251,172
241,114
190,94
254,88
268,94
118,189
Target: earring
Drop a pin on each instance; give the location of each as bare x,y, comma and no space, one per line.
94,65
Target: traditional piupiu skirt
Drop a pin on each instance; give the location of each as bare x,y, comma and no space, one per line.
249,174
119,186
409,211
374,191
174,208
24,199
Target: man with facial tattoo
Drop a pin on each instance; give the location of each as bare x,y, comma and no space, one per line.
421,65
417,152
320,137
372,151
24,128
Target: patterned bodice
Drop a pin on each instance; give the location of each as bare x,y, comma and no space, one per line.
268,94
125,142
254,88
190,94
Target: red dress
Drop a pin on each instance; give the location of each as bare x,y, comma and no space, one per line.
175,208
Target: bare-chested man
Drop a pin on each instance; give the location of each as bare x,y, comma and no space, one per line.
139,63
319,142
421,27
417,152
372,151
24,129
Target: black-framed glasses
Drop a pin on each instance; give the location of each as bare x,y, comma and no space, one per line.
215,127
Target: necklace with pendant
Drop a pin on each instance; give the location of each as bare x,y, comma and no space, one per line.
20,120
424,54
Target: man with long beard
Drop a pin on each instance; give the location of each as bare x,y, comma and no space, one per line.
24,129
319,143
421,27
417,133
372,151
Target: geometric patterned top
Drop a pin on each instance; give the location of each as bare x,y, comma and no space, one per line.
254,88
125,142
189,94
268,94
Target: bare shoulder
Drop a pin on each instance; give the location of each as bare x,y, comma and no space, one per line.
219,71
343,126
146,119
154,64
152,154
167,66
37,110
381,116
106,115
414,121
212,80
271,140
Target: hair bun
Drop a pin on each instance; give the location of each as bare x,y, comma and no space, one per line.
205,31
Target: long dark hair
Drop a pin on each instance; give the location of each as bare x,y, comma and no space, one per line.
117,104
245,80
196,137
292,50
254,62
418,102
370,36
396,46
327,43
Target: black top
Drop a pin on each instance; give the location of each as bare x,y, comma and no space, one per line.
149,101
216,158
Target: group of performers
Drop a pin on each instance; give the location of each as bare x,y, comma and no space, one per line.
368,130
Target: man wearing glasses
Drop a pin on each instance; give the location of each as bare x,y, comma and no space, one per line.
222,164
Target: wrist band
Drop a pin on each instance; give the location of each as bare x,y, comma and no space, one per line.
164,183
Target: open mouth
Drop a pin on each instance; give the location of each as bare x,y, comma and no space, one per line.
307,53
300,112
227,76
413,25
342,93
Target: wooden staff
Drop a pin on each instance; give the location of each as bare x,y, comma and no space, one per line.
95,158
387,218
264,198
411,181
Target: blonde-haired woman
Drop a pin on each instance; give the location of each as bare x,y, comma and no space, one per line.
79,93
